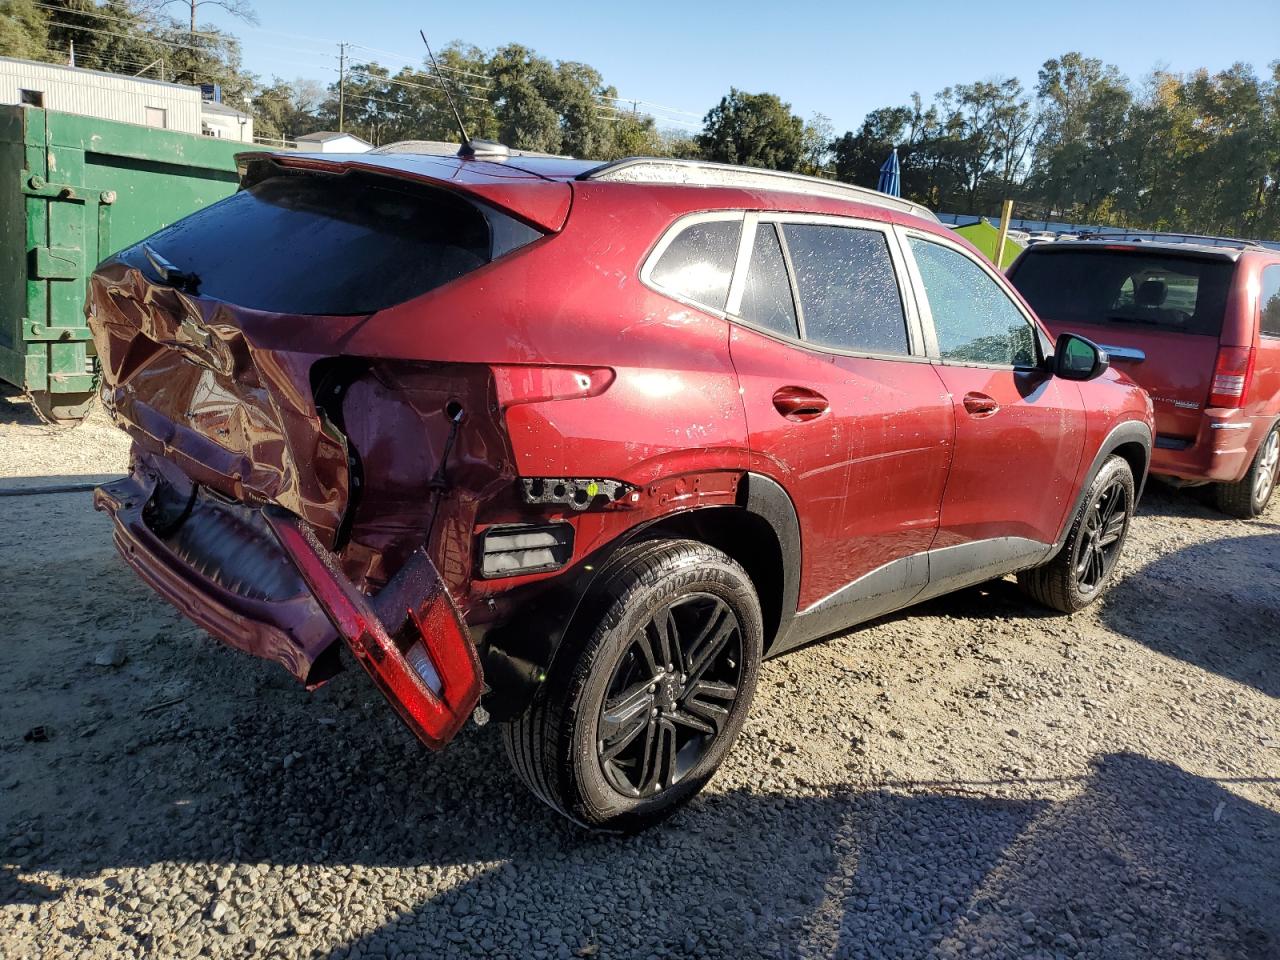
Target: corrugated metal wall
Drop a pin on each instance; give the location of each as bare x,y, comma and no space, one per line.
91,93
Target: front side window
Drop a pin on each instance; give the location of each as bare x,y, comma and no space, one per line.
766,298
849,297
975,320
698,263
1270,301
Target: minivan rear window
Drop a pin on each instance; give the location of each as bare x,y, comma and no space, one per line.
331,245
1126,288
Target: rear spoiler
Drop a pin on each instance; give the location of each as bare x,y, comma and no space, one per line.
539,202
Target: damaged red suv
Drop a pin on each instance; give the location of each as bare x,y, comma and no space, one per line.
585,442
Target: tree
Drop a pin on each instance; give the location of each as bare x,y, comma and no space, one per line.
753,129
23,30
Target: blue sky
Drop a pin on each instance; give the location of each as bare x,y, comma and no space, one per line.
839,59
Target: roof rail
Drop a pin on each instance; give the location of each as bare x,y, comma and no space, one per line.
702,173
1155,236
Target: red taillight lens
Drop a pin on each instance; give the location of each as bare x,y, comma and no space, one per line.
1231,376
437,684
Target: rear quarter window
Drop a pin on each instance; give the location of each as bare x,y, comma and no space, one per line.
1269,301
332,245
697,263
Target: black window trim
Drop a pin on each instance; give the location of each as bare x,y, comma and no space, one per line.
915,336
1044,347
669,236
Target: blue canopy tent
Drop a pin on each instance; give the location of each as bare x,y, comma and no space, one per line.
891,176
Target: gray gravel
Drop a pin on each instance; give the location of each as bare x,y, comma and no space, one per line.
973,778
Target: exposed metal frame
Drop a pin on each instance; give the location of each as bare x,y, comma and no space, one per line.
700,173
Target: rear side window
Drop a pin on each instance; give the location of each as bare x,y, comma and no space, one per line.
331,245
766,298
974,319
1269,303
698,263
1126,288
849,295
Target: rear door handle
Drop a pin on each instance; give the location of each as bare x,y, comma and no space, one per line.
800,403
980,405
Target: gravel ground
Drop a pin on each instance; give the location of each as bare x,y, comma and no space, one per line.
973,777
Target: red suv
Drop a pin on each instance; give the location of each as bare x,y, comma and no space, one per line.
1198,325
590,440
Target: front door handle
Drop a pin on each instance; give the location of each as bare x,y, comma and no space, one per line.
980,405
800,403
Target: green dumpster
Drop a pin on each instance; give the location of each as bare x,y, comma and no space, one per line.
73,191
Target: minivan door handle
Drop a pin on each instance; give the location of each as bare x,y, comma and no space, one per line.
800,403
980,405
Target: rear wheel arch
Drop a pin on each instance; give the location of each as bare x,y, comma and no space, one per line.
761,533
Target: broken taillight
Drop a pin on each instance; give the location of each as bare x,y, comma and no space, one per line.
434,689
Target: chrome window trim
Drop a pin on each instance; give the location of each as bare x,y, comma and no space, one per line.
926,310
668,237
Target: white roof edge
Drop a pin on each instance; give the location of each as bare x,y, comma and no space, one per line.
706,174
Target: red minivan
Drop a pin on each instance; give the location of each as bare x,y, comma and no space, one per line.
589,440
1198,325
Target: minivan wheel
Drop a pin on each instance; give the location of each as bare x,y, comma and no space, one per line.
648,690
1079,573
1249,497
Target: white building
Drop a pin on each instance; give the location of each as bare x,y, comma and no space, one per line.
93,93
226,123
326,141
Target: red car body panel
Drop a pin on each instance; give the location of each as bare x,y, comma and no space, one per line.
554,361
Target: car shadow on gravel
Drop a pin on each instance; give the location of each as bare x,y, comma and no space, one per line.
1214,604
1145,860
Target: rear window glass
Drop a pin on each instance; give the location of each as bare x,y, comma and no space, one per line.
849,296
698,263
331,245
1122,288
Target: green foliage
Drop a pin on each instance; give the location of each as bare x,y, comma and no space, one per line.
753,129
23,30
1197,152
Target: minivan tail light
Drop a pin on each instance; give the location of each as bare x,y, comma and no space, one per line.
1231,376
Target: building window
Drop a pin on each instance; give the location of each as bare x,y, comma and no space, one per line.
31,98
157,117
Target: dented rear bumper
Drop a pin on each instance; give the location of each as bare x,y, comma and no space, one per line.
260,581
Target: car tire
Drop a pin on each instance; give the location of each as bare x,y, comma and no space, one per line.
1248,497
607,683
1079,573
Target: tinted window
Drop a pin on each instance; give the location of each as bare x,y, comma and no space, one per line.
848,291
766,298
1270,301
975,320
699,262
1125,288
326,245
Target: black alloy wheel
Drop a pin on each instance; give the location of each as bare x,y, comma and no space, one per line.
670,695
1105,523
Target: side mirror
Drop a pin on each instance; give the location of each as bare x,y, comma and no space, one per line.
1078,358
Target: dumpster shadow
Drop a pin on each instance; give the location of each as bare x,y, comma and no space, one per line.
1208,604
16,409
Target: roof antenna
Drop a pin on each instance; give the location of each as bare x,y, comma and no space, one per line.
468,149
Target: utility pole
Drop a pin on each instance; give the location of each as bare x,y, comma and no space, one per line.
342,84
